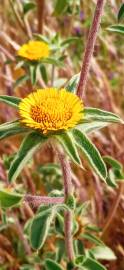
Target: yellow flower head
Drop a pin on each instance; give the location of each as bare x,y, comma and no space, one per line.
51,110
34,50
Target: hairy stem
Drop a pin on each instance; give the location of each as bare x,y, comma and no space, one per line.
66,169
90,48
40,14
37,200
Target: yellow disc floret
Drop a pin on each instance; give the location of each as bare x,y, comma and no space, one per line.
34,50
51,110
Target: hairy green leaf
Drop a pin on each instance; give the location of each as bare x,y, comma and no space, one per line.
21,80
42,38
92,126
43,73
116,28
91,152
10,100
121,12
52,265
60,7
33,73
92,238
71,86
28,6
40,228
94,114
113,162
91,264
28,147
115,173
70,40
67,141
9,199
11,128
103,253
52,61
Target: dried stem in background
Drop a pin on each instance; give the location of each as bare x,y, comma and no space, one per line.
17,17
40,14
113,210
90,48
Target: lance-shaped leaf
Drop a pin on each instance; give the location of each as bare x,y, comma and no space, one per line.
9,198
71,86
67,141
60,7
92,126
113,163
33,73
11,128
117,28
92,238
91,264
21,80
28,7
10,100
28,147
91,152
40,228
121,12
103,253
94,114
115,173
52,265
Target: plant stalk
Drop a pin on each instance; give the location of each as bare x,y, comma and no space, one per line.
90,48
66,170
37,200
40,15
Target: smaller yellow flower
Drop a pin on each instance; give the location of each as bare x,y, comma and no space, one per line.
34,50
51,110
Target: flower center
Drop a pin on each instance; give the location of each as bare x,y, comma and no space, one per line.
51,113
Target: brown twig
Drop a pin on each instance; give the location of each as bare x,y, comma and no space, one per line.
40,14
17,17
90,48
7,53
113,210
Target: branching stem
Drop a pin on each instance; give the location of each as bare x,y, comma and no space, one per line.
38,200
